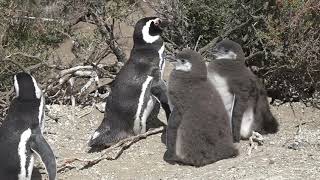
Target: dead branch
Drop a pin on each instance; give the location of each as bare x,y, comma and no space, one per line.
108,34
37,18
25,55
72,70
226,34
20,66
209,45
112,153
254,55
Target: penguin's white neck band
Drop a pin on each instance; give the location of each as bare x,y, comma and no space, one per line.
38,91
145,32
16,86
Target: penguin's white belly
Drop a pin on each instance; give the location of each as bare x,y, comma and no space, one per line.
146,113
143,113
221,85
25,174
246,124
179,149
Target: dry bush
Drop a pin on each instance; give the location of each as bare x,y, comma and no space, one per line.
280,39
30,30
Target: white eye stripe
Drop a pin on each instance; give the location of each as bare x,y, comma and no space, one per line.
38,91
22,153
16,85
145,32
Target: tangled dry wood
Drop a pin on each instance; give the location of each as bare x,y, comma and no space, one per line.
111,153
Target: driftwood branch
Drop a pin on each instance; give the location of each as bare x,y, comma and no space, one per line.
10,59
37,18
226,34
254,55
108,34
112,153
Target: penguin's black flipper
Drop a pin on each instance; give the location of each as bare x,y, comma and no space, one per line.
159,90
40,146
171,136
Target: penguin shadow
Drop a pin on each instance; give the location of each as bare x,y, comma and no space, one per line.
36,174
164,136
152,122
155,122
96,149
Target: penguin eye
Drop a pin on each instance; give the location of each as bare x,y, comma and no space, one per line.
183,61
157,23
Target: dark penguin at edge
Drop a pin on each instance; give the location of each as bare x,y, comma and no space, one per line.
21,133
230,75
198,131
137,87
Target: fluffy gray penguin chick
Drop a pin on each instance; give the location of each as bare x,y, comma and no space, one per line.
198,131
243,95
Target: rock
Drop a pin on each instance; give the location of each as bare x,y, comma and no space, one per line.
109,60
63,55
84,29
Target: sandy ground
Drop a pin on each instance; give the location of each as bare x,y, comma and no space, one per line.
285,155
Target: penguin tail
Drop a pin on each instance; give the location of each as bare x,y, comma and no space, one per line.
270,123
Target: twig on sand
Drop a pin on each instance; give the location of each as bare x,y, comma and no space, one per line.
111,153
255,137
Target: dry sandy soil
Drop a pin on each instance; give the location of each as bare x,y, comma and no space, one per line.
289,154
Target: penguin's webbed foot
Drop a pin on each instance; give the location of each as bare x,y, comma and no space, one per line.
256,137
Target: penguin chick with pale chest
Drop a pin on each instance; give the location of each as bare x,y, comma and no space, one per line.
198,131
243,94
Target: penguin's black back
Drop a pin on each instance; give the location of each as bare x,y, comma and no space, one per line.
21,116
126,88
26,89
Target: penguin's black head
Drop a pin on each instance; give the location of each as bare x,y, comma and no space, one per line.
148,30
189,63
227,49
26,87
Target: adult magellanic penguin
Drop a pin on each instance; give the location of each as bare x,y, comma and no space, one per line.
137,87
21,133
243,94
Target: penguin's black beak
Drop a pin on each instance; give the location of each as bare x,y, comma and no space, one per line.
161,23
